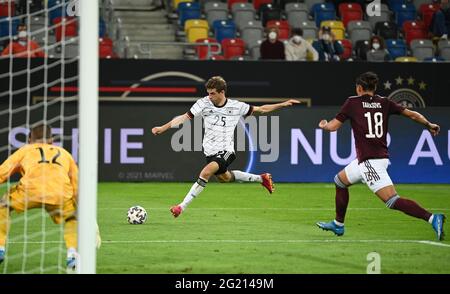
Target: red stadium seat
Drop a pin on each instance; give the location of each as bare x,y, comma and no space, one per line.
202,51
217,57
283,27
348,49
414,30
427,11
349,12
4,9
257,3
231,2
233,47
106,48
70,25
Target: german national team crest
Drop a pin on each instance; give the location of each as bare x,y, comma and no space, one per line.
406,91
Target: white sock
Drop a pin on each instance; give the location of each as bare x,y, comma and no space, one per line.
241,176
430,220
338,223
196,189
71,252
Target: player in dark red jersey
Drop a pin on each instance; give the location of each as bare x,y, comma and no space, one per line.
369,114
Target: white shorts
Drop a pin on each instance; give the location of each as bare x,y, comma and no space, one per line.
372,172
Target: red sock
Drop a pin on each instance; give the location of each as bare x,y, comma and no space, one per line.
411,208
341,203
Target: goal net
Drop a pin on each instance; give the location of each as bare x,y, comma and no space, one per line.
39,79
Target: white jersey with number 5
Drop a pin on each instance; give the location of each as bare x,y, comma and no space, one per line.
219,123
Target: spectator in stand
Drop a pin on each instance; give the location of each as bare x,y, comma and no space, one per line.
328,48
440,22
297,48
272,48
22,46
378,51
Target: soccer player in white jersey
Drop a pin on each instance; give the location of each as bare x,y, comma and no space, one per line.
220,115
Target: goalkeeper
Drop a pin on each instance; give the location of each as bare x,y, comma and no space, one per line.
49,180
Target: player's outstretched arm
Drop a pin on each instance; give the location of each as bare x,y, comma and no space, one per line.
331,126
417,117
272,107
171,124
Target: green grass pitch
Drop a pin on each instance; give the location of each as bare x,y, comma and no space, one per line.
240,228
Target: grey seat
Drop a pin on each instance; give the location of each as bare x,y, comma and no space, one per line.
215,11
359,30
309,29
296,13
376,55
254,50
422,48
252,32
444,49
386,15
243,13
418,3
310,3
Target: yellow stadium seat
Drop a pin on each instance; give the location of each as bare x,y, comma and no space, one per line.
337,27
176,2
406,59
309,55
196,29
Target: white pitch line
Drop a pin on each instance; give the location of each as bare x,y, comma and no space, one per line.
265,208
253,241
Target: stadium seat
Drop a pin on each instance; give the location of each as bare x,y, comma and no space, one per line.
322,12
385,15
196,29
268,12
386,29
243,13
56,9
258,3
106,48
337,28
175,3
422,49
233,47
215,11
404,13
232,2
361,49
202,51
217,57
7,10
396,48
376,55
444,49
254,49
5,27
418,3
252,32
394,4
359,30
224,29
284,30
65,27
348,50
434,59
349,12
309,29
406,59
414,30
311,3
427,11
102,28
296,13
188,10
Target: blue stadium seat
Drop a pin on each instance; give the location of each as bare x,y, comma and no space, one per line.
4,26
102,28
224,29
188,10
396,48
405,12
394,4
322,12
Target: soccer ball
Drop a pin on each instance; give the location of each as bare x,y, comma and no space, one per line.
136,215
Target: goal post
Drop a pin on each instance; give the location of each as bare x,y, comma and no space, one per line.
88,125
